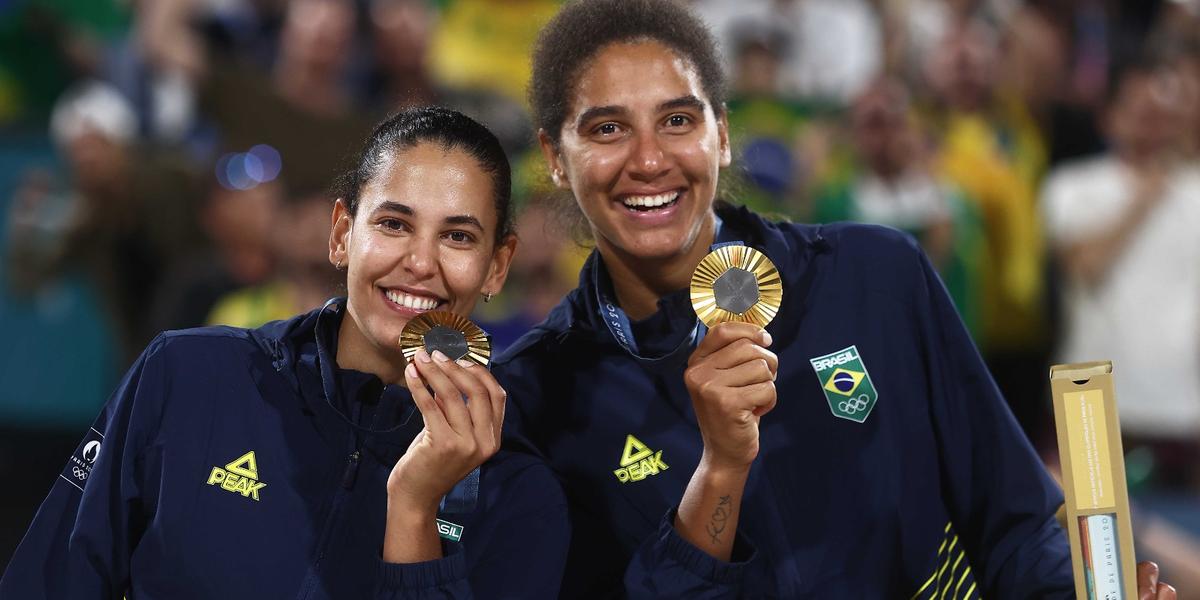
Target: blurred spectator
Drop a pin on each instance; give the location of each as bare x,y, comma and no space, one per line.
126,221
239,225
301,108
486,45
768,130
837,49
890,181
1123,225
298,234
1035,71
990,147
400,35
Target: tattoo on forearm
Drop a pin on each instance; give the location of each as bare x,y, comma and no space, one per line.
720,518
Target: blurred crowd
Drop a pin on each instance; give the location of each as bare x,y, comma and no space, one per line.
165,164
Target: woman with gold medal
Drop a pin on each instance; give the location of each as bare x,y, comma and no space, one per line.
331,455
824,429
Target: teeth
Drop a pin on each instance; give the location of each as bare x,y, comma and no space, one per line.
411,301
650,201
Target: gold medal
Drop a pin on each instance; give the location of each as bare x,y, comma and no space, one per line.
736,283
453,335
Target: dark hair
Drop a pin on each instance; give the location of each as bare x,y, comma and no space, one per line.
453,131
583,27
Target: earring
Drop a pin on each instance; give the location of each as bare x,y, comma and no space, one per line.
338,266
557,176
487,296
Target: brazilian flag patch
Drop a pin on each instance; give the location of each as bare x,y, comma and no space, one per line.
846,384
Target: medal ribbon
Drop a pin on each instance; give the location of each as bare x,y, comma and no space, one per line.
618,322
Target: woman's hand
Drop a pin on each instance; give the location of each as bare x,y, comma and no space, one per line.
458,436
731,379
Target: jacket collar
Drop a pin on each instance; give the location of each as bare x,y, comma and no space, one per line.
303,350
582,312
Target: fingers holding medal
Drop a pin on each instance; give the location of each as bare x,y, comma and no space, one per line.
736,291
460,402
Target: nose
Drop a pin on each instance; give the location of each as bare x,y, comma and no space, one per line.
420,257
647,160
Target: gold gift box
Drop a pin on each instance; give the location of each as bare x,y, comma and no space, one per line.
1093,470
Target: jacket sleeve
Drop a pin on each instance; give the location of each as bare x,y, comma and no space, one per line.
81,540
444,578
517,550
999,495
668,566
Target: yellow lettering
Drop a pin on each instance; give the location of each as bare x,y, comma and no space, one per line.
253,491
217,476
636,473
658,461
231,482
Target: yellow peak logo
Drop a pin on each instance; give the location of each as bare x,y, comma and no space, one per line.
638,461
239,476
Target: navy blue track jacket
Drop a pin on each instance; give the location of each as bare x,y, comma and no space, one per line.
891,467
237,463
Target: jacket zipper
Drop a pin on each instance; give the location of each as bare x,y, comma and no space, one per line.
351,473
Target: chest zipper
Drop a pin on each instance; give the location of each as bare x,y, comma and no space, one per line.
351,473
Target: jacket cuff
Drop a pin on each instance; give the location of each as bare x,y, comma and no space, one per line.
423,575
699,562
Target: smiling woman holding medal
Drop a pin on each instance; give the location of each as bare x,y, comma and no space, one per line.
331,455
743,408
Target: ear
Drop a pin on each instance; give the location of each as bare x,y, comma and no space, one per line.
723,137
554,163
501,259
339,233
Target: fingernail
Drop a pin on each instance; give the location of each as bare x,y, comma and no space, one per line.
422,355
464,363
438,356
766,338
410,371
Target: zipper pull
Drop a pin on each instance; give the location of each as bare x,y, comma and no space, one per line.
351,472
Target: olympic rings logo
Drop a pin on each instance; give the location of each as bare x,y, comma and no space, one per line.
853,405
79,473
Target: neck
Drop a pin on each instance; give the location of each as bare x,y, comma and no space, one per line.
640,282
355,352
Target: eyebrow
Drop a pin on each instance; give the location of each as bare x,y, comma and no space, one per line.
464,220
688,101
404,209
390,206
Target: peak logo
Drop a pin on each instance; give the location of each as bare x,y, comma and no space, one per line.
239,476
638,461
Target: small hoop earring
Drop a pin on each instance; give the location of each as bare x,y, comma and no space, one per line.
338,266
487,296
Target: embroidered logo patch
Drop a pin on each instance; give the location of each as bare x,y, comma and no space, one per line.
846,384
638,461
450,531
239,476
79,468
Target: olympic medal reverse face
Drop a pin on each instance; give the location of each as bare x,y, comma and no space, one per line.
452,335
736,284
